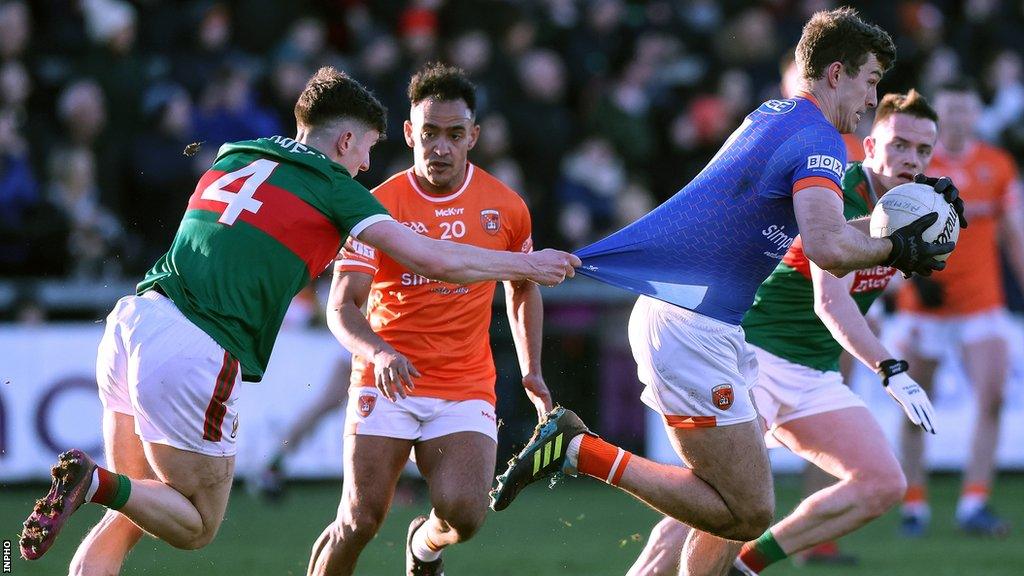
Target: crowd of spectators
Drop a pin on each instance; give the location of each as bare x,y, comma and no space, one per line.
594,110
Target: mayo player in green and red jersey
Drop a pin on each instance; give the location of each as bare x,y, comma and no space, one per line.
269,216
801,320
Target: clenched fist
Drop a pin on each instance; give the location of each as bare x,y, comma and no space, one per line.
551,267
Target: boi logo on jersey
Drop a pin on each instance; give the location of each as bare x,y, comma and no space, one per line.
491,221
722,396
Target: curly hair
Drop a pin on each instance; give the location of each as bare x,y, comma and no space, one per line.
841,35
444,83
330,95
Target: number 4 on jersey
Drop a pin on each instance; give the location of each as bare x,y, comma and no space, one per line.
255,175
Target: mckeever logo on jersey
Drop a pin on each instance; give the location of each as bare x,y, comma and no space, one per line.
709,247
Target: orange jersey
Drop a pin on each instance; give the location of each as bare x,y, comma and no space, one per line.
443,329
854,147
988,182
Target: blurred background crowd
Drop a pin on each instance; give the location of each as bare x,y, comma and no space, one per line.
594,110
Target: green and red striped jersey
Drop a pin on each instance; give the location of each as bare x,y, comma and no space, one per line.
267,218
782,319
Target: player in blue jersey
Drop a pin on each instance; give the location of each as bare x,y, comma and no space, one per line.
697,261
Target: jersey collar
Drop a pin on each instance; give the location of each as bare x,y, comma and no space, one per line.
470,169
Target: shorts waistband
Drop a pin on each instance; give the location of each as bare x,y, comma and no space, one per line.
692,318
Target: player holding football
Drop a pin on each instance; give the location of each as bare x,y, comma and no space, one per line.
964,307
801,320
423,375
267,217
698,260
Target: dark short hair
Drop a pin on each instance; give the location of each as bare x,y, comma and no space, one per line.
841,35
912,103
443,83
331,95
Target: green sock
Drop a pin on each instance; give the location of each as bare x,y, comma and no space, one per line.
760,553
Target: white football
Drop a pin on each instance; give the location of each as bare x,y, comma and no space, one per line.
908,202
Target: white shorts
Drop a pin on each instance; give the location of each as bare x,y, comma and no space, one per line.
787,391
932,336
697,370
179,385
418,418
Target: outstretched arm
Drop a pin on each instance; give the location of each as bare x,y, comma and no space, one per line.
842,317
465,264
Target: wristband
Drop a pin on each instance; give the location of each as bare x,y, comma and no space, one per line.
891,367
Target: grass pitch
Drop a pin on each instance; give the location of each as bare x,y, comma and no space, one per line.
580,528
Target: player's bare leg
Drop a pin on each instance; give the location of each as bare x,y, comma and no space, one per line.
915,510
815,479
987,365
660,557
849,445
727,491
105,547
185,505
459,469
372,467
732,462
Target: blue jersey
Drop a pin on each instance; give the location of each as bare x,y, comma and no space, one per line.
710,246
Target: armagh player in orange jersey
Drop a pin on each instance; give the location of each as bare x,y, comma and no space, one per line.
964,307
423,376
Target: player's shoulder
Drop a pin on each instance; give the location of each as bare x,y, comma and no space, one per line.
995,154
485,184
397,184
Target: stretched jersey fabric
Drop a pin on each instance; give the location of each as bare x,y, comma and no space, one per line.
267,218
711,244
990,185
782,319
442,328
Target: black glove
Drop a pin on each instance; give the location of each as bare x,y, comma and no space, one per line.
949,191
931,293
911,254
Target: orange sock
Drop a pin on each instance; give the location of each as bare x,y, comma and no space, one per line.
976,489
602,460
915,493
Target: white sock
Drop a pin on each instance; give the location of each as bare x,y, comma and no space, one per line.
94,485
420,548
969,504
572,453
917,509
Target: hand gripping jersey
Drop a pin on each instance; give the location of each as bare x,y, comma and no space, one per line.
782,319
989,184
709,246
443,329
267,218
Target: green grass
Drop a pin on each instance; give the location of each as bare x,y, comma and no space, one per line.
582,528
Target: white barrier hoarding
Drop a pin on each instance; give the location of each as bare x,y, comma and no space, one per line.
954,406
48,403
48,400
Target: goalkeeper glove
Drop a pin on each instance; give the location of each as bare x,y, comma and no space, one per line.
908,393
